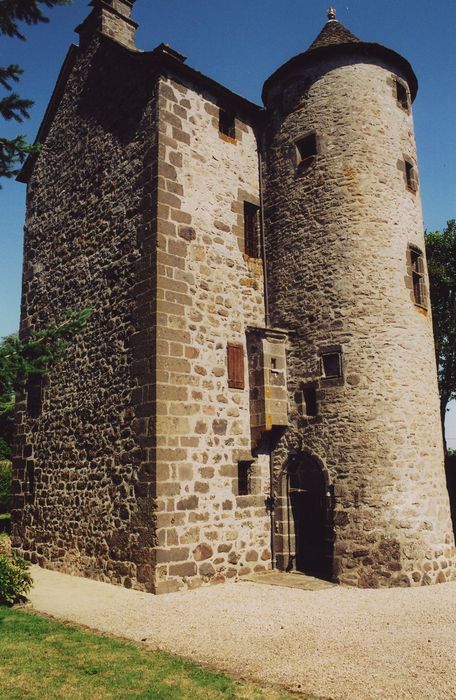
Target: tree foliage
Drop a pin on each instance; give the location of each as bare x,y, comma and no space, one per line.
21,359
441,256
13,107
5,485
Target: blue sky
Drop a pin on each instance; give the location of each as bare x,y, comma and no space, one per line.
240,43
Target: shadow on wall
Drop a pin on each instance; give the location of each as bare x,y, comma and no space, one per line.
115,93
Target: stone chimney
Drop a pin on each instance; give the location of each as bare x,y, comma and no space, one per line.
111,18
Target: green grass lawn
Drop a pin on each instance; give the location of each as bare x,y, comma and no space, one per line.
40,658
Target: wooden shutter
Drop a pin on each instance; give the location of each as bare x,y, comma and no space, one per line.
235,361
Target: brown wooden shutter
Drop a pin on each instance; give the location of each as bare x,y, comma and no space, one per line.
235,361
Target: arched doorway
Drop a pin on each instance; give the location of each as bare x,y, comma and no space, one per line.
309,515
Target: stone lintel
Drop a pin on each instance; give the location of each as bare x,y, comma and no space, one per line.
276,333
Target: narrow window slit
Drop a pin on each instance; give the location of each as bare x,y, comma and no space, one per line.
418,282
34,395
402,95
30,481
251,230
310,400
244,478
410,176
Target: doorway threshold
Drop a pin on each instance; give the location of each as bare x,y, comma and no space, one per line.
292,579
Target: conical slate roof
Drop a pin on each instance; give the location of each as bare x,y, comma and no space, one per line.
335,40
333,33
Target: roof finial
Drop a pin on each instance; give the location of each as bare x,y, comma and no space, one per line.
331,13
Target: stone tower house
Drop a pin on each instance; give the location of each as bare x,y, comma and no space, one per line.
256,385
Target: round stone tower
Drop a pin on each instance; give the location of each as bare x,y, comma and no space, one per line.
360,486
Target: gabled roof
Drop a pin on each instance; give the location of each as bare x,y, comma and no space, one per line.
333,33
162,60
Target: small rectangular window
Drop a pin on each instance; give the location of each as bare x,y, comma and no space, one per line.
34,395
331,365
235,362
419,286
251,230
227,124
244,475
410,176
310,401
30,480
402,95
306,149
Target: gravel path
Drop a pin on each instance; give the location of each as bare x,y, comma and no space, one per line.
338,643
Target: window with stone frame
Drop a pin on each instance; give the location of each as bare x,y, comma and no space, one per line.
306,150
418,278
227,125
251,230
331,365
310,404
410,176
402,95
244,478
235,366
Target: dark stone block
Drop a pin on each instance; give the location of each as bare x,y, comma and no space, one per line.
203,551
189,503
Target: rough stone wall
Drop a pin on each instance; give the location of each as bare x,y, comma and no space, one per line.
111,20
208,292
338,230
83,501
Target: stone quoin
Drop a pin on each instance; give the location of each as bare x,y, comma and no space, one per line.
256,385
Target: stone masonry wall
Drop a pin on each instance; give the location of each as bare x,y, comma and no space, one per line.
83,501
338,231
128,470
208,292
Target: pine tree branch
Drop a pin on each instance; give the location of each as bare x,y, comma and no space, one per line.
21,359
14,107
13,152
10,73
29,11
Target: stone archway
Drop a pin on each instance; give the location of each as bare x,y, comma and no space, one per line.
304,518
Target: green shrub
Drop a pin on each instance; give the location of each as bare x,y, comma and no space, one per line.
5,486
15,580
